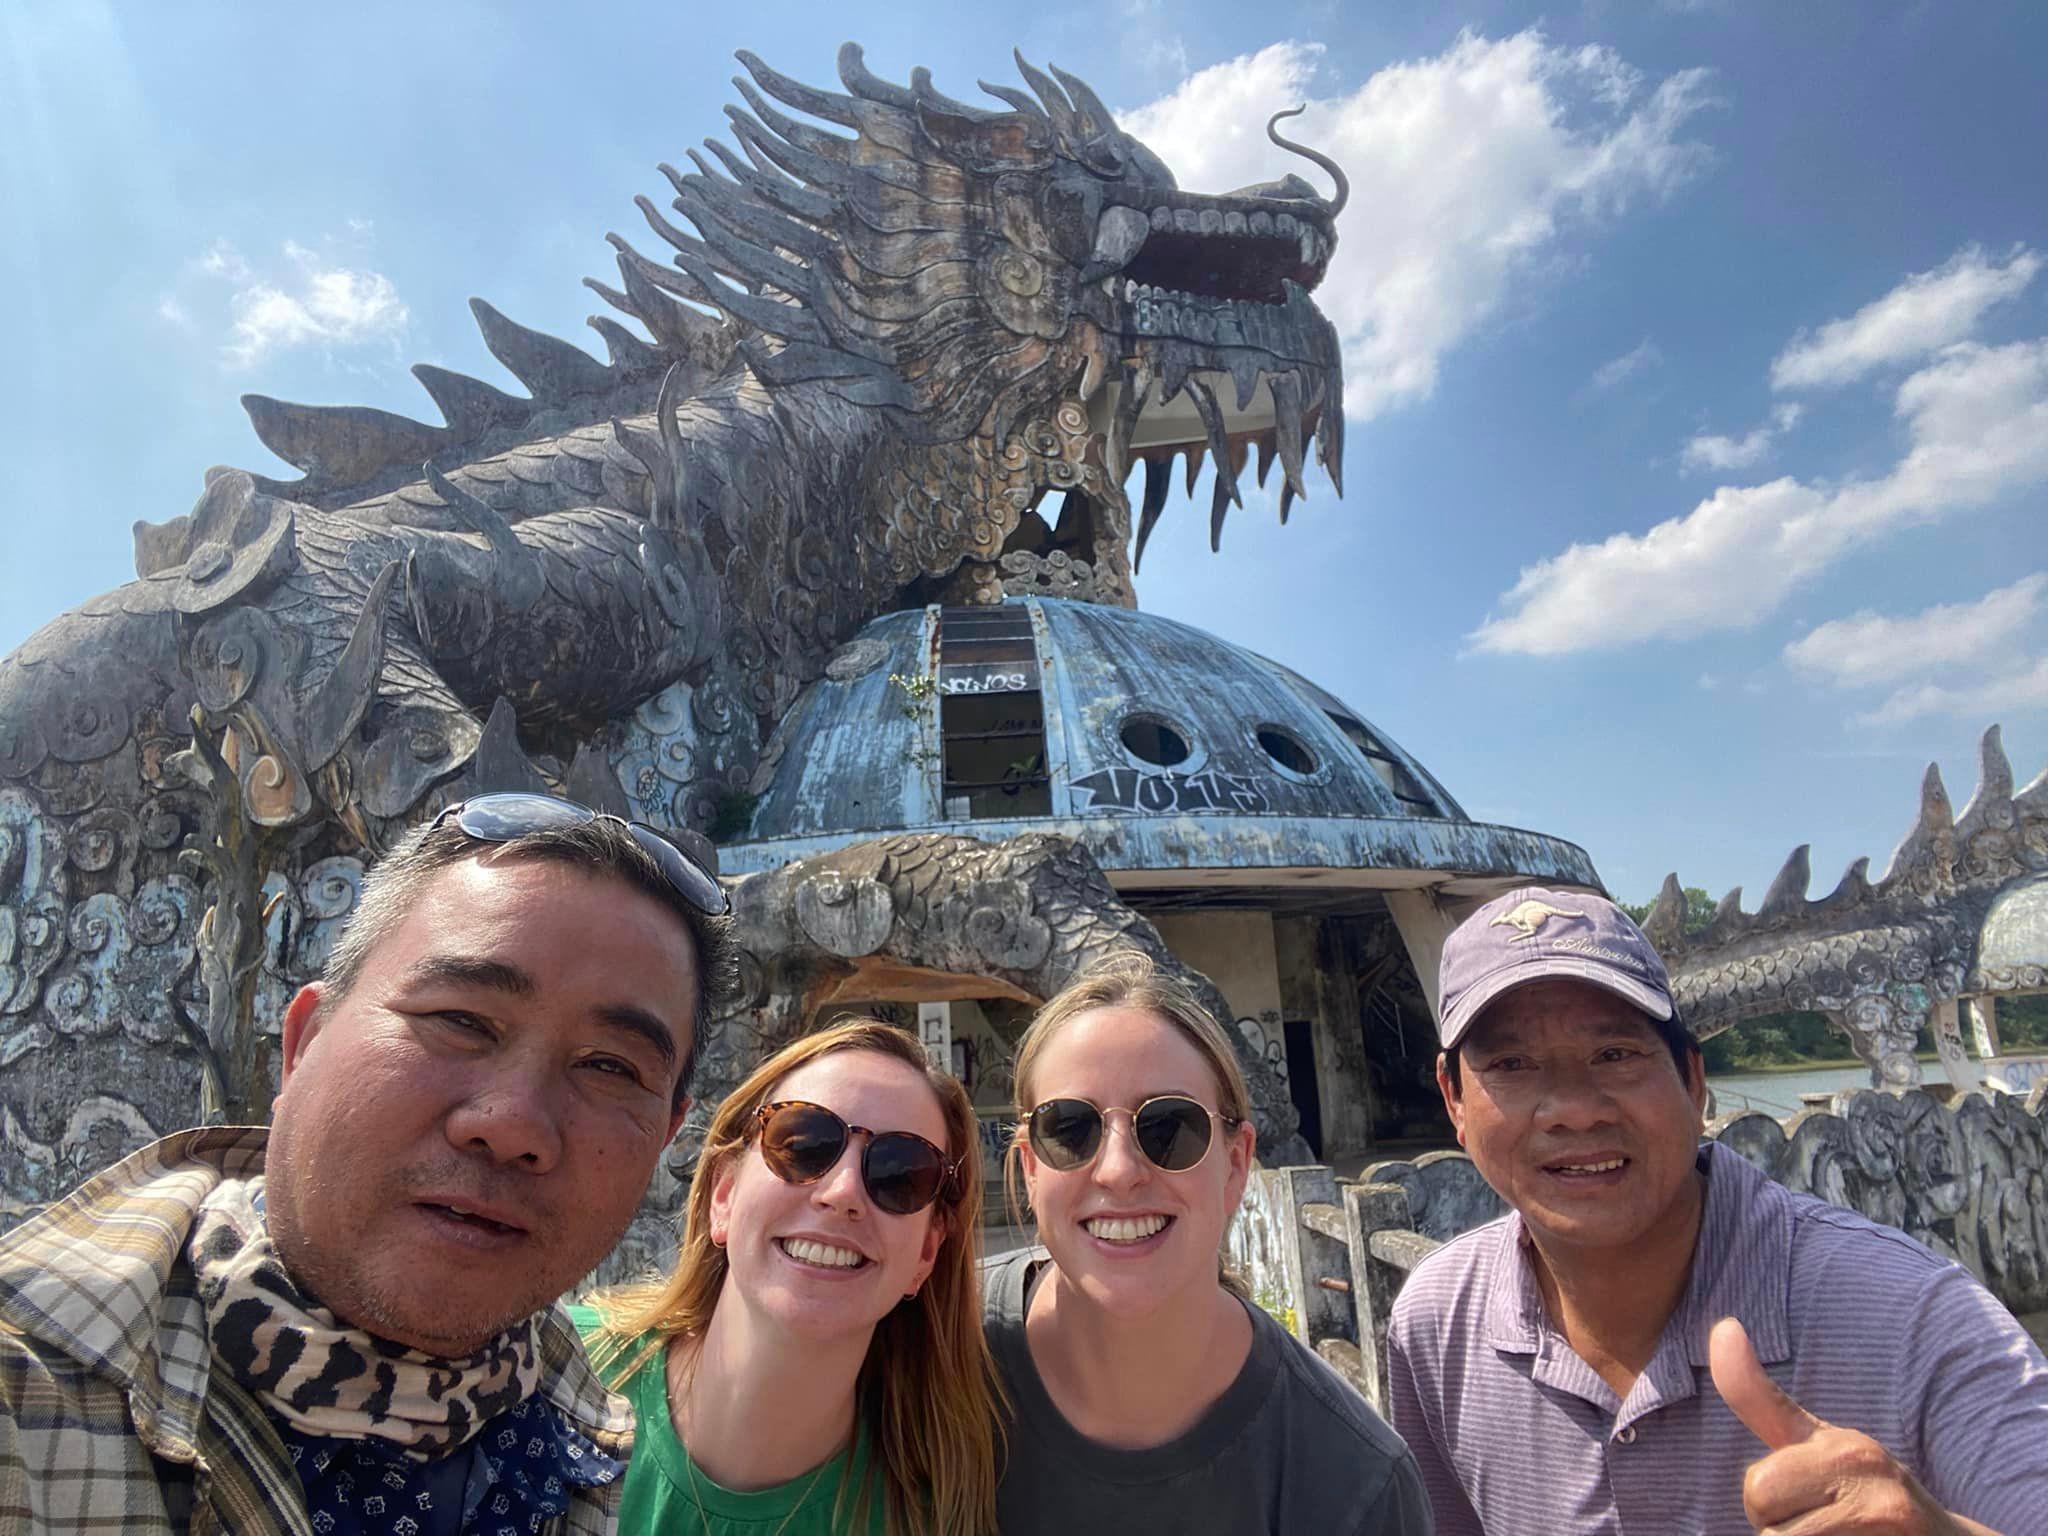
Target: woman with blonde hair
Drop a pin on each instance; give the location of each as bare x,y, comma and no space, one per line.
1149,1395
815,1362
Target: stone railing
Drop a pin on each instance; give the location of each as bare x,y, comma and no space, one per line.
1328,1256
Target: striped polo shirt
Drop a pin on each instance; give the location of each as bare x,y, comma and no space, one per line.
1516,1435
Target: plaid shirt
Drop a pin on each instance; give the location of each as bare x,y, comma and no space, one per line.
112,1417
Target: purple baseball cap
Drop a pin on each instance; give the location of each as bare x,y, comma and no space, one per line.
1534,933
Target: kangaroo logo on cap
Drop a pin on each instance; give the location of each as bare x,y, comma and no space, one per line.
1526,917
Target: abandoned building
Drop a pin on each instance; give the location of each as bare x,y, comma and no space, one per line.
1281,843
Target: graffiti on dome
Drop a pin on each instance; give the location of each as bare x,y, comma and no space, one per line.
1188,794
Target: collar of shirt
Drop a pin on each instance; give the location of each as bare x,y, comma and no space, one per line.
1740,1268
99,1277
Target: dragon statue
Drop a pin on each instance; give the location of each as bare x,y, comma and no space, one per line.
908,356
1960,913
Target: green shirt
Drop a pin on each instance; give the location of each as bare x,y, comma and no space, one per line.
666,1494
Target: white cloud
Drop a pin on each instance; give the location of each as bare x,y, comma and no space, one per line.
336,306
1619,369
311,300
171,312
1870,648
1712,451
1977,421
1928,311
1467,169
2026,689
221,259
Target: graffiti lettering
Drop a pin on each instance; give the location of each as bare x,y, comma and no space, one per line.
994,1134
978,681
1267,1041
1126,789
2016,1074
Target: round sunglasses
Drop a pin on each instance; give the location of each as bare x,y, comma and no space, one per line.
903,1173
512,814
1172,1130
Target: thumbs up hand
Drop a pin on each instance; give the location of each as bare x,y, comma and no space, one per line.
1816,1479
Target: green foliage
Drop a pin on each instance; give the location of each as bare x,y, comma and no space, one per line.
1774,1039
1699,910
1270,1303
921,707
2023,1024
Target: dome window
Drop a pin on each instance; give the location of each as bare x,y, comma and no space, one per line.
1287,749
991,715
1395,774
1151,739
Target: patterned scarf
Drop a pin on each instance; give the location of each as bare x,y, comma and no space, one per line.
324,1378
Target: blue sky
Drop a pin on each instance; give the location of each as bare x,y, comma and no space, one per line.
1697,471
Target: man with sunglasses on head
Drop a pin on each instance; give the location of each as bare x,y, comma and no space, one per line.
1657,1337
346,1321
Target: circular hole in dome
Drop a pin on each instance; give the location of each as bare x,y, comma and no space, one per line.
1287,749
1150,739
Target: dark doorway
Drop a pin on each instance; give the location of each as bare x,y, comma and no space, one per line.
1301,1081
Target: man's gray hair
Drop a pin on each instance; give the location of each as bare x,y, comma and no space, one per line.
603,846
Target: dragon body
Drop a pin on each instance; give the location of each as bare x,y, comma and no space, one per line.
1961,912
908,356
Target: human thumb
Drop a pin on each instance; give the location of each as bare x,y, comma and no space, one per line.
1758,1401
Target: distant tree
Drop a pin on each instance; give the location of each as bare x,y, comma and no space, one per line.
2023,1023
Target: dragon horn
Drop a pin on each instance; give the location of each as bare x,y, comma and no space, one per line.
1788,888
1094,115
829,105
1994,784
1664,924
855,75
1729,918
1056,104
1852,890
1931,842
1336,172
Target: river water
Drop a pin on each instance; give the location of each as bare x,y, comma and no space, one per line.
1777,1093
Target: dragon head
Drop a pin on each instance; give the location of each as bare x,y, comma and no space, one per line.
1026,289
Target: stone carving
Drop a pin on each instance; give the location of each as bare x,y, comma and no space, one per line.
1962,910
877,350
888,916
1445,1193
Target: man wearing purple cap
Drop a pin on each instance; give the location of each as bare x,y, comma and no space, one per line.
1658,1338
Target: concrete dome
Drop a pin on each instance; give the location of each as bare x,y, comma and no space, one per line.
2013,939
1174,756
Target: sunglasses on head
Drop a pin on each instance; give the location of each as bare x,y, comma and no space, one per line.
506,817
1172,1130
903,1173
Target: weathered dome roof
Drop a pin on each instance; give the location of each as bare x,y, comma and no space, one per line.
2013,939
1175,756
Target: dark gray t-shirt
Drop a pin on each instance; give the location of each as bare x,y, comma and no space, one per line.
1288,1449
